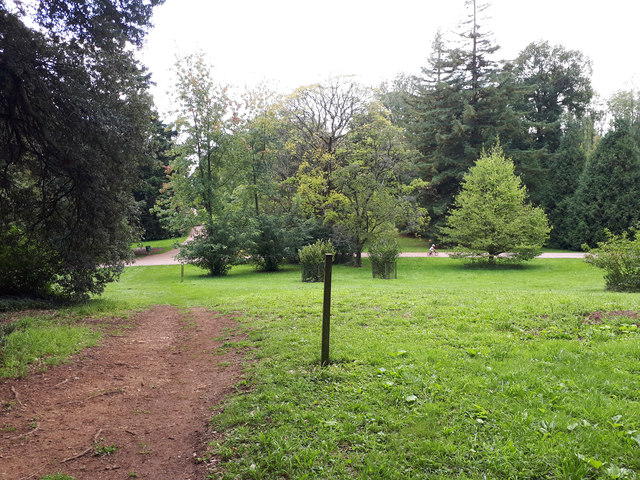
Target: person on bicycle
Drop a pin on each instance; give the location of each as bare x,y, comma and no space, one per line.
432,250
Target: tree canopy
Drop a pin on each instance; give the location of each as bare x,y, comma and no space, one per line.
74,131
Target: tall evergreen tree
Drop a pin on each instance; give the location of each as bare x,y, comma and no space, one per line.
608,194
463,103
565,169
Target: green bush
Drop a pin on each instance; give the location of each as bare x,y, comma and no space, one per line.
272,244
383,254
619,256
218,247
312,259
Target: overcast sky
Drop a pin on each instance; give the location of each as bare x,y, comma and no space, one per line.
299,42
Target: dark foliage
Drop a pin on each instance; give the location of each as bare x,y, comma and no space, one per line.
74,118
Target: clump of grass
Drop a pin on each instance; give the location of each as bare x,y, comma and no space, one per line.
57,476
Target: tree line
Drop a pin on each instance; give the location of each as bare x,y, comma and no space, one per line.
87,166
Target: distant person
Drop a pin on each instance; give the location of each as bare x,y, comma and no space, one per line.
432,250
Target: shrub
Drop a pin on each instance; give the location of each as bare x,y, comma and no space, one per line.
218,247
383,254
619,256
271,245
312,258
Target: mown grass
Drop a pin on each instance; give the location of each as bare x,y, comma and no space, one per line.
166,244
444,373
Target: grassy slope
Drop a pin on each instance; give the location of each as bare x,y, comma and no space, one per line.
444,373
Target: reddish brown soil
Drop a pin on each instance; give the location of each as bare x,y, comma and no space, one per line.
149,392
596,318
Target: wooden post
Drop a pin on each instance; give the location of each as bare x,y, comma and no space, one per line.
181,272
326,310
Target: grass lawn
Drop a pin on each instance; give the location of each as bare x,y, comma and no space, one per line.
166,244
412,244
444,373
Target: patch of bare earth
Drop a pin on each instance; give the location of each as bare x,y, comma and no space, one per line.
149,393
596,318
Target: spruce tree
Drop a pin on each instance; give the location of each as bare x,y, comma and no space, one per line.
463,104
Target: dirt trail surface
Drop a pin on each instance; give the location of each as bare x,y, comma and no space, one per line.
148,392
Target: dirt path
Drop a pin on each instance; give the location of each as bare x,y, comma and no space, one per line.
148,392
167,258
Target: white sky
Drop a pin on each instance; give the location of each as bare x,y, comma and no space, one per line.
298,42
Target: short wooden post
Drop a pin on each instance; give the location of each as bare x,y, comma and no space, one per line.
326,310
181,272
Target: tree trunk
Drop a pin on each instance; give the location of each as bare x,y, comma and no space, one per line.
359,257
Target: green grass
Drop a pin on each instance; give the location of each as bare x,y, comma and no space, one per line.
412,244
57,476
39,341
166,244
444,373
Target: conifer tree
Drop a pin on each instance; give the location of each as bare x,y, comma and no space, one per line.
491,220
463,103
608,194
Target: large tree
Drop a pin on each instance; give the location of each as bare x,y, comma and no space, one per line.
74,130
462,103
608,193
491,220
554,84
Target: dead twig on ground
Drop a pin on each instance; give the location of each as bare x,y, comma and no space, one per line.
84,452
15,394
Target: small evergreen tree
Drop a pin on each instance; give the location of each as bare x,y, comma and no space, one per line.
491,220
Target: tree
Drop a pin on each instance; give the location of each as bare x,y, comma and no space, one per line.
608,193
554,84
491,220
564,173
374,186
464,102
321,115
152,177
74,130
625,105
